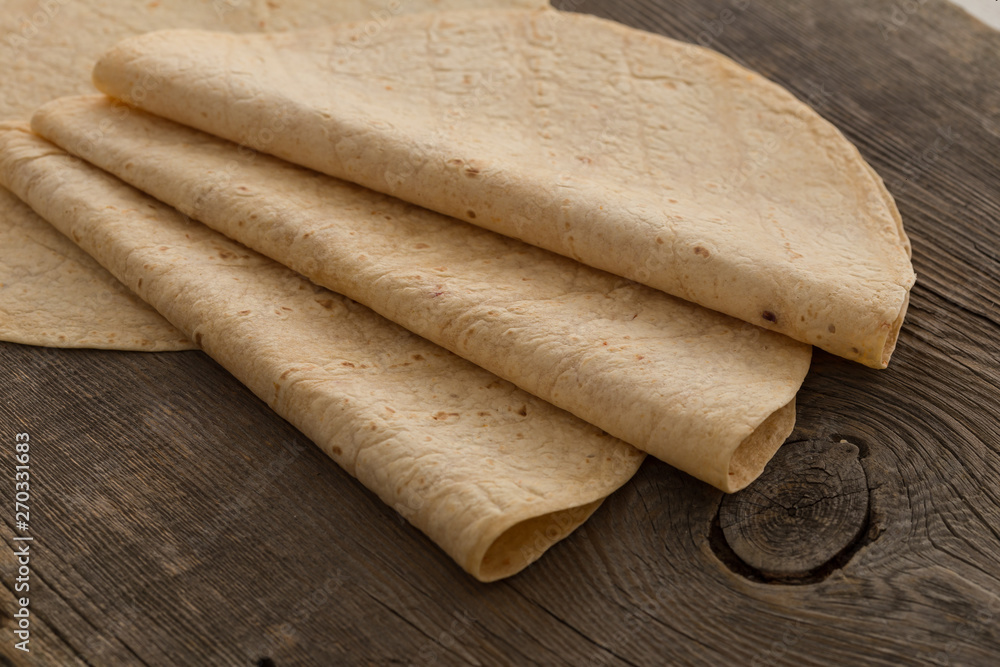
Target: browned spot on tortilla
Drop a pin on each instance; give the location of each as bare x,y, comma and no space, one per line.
418,357
471,171
337,451
698,250
347,363
672,201
326,303
855,350
832,329
769,316
140,282
659,241
523,411
471,214
244,312
76,237
445,415
225,254
421,246
483,413
197,339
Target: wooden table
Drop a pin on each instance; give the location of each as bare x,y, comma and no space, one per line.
178,521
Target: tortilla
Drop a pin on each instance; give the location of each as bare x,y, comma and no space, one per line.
709,394
490,473
51,293
652,159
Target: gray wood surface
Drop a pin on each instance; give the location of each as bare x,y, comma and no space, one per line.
178,521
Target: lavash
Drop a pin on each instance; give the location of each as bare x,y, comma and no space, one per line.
490,473
709,394
652,159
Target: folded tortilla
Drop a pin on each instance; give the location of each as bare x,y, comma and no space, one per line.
652,159
709,394
490,473
52,293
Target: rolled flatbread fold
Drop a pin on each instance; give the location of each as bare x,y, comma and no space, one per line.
709,394
659,161
490,473
52,293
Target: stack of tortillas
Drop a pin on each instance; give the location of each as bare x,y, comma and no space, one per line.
657,236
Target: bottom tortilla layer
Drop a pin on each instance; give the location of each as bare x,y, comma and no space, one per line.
490,473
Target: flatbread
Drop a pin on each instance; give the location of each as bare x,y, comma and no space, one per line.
51,293
655,160
709,394
490,473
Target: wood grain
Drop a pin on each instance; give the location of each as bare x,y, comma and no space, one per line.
180,522
804,513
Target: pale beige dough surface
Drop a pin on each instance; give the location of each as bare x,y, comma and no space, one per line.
707,393
52,293
490,473
655,160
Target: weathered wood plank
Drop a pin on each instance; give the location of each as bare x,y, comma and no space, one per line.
180,522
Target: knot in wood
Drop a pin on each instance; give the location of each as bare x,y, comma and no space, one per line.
807,508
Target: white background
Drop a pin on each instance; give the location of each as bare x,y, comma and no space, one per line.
987,11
